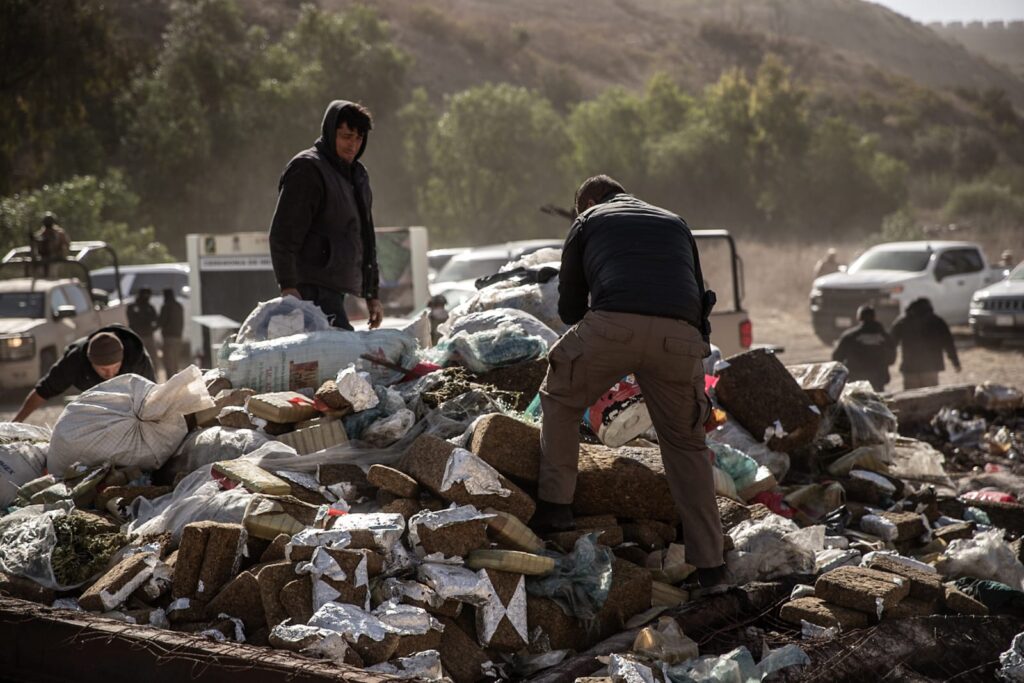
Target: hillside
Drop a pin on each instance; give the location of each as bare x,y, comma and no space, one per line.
1002,43
564,51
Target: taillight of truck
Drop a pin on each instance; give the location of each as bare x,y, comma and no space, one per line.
746,334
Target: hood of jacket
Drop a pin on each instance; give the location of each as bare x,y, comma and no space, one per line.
328,131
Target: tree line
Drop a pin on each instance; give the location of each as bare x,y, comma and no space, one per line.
141,122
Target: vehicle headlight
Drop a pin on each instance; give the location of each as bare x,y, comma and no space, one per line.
17,346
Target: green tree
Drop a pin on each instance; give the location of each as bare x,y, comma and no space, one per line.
218,118
608,136
497,155
89,208
63,63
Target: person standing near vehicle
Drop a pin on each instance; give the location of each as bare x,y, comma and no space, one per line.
172,324
322,243
50,242
106,353
922,337
142,318
639,268
827,265
867,350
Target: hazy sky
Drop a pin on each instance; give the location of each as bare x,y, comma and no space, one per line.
957,10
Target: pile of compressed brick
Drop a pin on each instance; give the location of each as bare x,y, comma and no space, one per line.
429,549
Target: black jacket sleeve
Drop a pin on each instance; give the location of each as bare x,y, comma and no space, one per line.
573,290
302,192
63,374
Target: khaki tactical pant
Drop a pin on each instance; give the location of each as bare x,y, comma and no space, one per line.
666,357
919,380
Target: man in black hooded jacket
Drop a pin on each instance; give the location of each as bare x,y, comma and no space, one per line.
322,242
867,350
922,337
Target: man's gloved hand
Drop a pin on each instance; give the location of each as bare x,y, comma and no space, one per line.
376,311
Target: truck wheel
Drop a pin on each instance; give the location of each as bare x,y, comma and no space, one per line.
47,357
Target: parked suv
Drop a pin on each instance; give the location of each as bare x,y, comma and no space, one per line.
997,311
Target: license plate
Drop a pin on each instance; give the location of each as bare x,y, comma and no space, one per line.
1004,321
844,322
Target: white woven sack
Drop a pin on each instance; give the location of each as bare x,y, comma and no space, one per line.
127,421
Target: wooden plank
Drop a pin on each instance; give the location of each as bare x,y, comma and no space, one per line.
44,645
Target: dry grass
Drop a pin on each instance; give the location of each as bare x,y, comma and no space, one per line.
778,275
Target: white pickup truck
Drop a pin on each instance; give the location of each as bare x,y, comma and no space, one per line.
891,276
38,318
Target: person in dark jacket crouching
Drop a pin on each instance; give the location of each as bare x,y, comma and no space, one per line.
322,243
867,350
923,337
639,268
106,353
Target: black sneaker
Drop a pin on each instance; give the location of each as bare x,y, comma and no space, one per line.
710,581
552,517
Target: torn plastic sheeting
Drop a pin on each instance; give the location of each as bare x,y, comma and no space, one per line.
626,670
485,320
770,547
321,564
581,579
737,464
406,620
280,317
350,621
1011,662
917,461
330,644
497,347
207,446
397,589
874,458
986,556
831,558
386,528
196,498
454,582
422,666
355,387
733,434
479,478
311,538
665,642
737,666
870,419
390,429
958,430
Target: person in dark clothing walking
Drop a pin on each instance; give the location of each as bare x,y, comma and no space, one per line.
106,353
867,350
638,266
172,324
922,337
322,243
143,320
